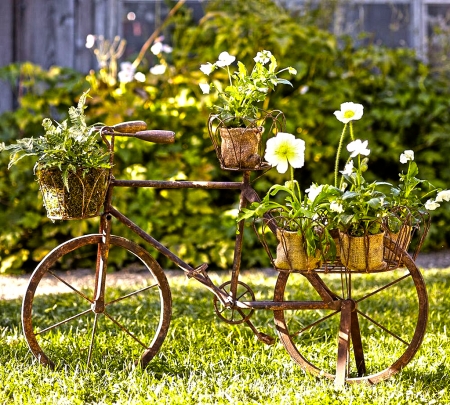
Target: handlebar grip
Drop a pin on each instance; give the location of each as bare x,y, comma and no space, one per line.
130,127
156,136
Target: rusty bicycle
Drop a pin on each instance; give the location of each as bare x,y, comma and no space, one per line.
351,327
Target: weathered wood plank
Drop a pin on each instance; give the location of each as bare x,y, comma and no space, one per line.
6,50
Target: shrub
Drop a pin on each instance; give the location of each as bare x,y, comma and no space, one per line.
405,108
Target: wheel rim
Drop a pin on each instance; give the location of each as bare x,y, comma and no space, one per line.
62,328
387,332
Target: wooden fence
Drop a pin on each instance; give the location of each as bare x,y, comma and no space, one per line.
53,32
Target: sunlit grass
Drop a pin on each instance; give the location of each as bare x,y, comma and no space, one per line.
206,361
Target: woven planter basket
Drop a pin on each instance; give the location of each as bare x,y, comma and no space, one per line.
291,253
240,147
363,253
85,196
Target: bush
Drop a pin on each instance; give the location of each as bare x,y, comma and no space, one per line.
405,108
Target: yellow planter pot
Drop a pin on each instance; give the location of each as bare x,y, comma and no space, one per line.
291,252
363,253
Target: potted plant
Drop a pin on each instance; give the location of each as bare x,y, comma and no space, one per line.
233,126
301,227
72,166
364,213
410,203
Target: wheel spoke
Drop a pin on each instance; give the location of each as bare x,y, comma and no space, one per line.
382,327
71,287
124,329
91,345
62,322
131,294
323,319
383,288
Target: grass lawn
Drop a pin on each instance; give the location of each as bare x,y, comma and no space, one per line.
206,361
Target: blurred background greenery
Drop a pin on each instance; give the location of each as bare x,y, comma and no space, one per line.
406,107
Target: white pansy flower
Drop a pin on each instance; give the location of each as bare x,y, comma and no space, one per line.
348,169
349,112
225,59
406,155
284,150
313,191
263,57
158,69
358,148
336,207
207,68
443,195
431,205
205,87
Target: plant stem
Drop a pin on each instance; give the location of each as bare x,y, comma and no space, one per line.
338,153
351,131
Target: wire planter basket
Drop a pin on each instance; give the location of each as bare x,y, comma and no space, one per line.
83,198
285,242
242,148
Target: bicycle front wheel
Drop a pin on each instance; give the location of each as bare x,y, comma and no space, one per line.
63,328
384,323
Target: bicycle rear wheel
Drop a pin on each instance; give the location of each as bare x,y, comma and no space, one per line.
63,328
382,321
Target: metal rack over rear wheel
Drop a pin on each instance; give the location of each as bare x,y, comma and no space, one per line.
63,328
377,331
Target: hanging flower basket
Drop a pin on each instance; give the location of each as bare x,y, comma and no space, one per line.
363,253
83,198
242,148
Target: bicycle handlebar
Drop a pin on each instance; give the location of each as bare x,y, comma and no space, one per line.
138,129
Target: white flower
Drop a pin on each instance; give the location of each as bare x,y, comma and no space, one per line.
349,112
205,87
443,195
313,191
336,207
126,73
283,150
225,59
158,69
406,155
156,48
358,148
140,77
207,68
348,169
431,205
263,57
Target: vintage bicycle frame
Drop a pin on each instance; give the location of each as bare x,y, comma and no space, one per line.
247,196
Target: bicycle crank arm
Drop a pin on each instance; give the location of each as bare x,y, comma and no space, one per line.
199,274
262,337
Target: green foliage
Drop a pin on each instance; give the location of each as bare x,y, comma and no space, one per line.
405,108
243,92
64,146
